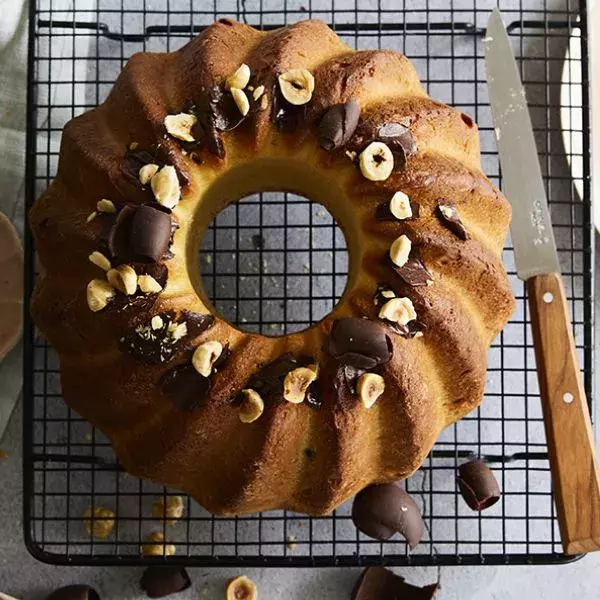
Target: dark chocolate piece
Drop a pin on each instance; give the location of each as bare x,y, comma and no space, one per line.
74,592
377,583
287,117
186,387
118,237
133,161
314,394
380,511
344,384
413,272
225,113
361,343
150,233
398,138
383,212
159,582
448,215
478,485
338,125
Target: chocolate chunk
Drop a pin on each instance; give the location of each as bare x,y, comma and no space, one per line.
344,384
225,113
150,233
287,117
196,324
398,138
133,161
159,582
74,592
380,511
207,136
359,342
186,387
478,485
383,212
377,583
118,237
448,215
413,272
338,125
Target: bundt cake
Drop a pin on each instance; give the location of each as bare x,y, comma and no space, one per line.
245,422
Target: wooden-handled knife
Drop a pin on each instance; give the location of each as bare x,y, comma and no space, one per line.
573,461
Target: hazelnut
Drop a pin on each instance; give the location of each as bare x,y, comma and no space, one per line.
99,294
165,186
398,310
155,545
98,259
376,161
297,86
205,356
106,206
296,383
400,206
252,406
147,172
239,79
369,387
99,521
149,285
157,322
177,330
91,217
258,92
180,126
241,588
169,509
400,250
241,100
124,279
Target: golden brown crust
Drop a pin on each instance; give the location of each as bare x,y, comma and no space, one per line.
294,456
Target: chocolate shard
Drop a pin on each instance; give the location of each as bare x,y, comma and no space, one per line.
74,592
448,215
159,582
133,161
338,124
478,485
377,583
414,272
361,343
225,113
150,233
187,389
398,138
287,117
380,511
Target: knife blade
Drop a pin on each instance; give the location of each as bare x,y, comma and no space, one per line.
571,449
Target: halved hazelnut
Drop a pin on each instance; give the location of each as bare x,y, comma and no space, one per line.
297,86
180,126
241,588
258,92
205,357
369,387
149,285
376,161
240,78
400,206
296,383
400,250
99,521
398,310
147,172
165,186
241,100
99,294
124,279
169,509
252,406
155,545
98,259
106,206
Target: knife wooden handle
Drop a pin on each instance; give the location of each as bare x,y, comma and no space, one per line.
573,461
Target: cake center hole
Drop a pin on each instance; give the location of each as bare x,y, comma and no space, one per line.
274,263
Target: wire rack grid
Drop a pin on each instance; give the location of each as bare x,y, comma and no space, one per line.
275,262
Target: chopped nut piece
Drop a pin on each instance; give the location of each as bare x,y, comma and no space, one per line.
106,206
241,100
241,588
165,186
177,330
252,406
400,206
398,310
170,510
388,294
297,86
99,521
291,542
296,383
99,294
149,285
369,387
155,545
376,161
351,154
98,259
258,92
91,217
133,145
264,102
157,322
124,279
180,126
239,79
400,250
205,357
147,172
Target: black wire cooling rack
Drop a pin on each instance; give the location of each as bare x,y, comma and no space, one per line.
275,262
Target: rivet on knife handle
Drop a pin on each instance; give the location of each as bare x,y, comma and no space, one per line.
575,470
